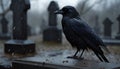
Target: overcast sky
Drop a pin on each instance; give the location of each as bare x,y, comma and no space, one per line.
41,5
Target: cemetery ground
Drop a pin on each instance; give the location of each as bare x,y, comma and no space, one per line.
56,53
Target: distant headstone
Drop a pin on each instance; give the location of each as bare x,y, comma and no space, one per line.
118,34
4,25
107,28
52,33
97,26
19,8
29,30
19,43
52,17
4,28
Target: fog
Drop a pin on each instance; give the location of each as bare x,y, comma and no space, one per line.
37,14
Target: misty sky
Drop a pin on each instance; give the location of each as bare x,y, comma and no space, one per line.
41,5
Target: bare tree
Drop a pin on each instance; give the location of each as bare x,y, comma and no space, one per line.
4,11
83,6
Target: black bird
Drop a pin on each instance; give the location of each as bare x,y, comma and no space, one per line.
79,34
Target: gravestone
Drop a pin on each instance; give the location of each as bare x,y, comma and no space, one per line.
4,25
19,43
52,33
107,28
118,34
97,26
4,28
29,30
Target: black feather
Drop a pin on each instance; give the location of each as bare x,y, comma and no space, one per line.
80,34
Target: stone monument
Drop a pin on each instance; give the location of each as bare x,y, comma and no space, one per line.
107,28
4,28
118,34
52,33
19,43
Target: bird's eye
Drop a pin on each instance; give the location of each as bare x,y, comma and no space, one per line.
65,10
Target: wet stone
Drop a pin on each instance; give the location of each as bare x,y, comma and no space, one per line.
59,62
21,47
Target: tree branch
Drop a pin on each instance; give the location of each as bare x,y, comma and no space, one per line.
89,8
83,5
3,9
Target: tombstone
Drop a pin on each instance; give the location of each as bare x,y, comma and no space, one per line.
29,30
107,28
52,33
118,34
19,43
4,25
4,28
97,26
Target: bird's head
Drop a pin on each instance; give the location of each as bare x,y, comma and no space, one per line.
68,11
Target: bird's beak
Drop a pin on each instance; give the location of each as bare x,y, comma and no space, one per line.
58,12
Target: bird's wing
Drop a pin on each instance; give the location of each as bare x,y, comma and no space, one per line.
86,33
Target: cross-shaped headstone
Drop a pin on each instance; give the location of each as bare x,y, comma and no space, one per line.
19,43
19,8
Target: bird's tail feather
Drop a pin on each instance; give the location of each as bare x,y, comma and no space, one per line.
101,57
106,49
104,58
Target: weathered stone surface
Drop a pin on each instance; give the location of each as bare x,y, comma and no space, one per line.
4,24
19,43
19,9
22,47
118,34
60,62
52,33
4,35
107,28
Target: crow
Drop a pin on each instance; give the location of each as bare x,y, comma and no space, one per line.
79,34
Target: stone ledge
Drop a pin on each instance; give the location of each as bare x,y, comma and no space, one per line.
111,42
60,63
21,47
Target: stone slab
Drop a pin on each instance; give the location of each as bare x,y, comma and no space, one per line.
22,47
60,62
111,42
